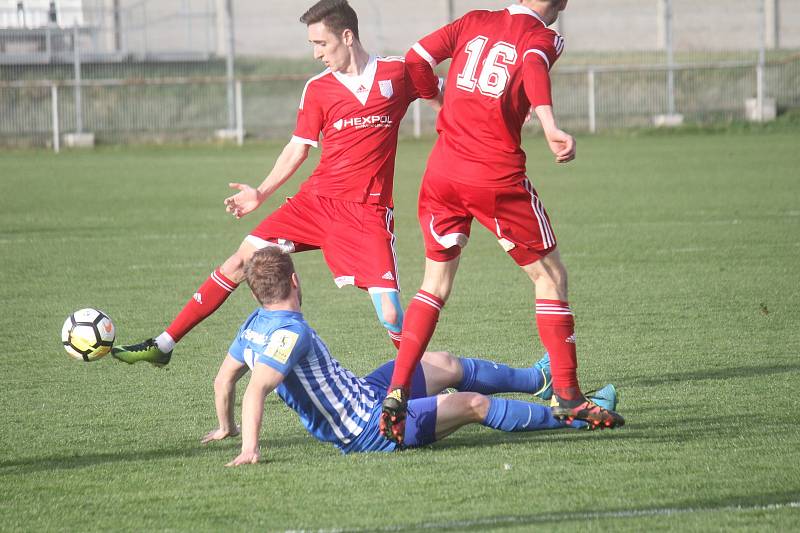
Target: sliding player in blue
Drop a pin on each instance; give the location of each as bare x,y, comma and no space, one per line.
335,406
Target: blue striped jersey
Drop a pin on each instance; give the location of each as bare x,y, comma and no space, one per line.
334,405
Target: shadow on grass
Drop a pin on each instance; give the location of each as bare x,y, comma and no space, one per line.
684,429
720,373
75,461
751,502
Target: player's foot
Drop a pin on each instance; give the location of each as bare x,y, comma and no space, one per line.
597,416
393,415
144,351
543,366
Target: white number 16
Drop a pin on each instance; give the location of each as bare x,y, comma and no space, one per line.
494,75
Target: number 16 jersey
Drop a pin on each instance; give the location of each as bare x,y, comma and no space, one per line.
500,65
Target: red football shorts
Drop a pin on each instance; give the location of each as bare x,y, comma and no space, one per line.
513,213
357,240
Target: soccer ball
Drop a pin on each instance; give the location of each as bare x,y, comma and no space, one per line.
88,334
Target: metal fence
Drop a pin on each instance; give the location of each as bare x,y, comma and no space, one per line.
156,71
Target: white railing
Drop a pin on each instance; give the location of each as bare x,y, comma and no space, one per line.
588,99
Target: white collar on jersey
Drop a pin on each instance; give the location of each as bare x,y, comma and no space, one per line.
361,85
519,9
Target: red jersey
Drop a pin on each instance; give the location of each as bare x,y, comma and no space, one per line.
359,118
500,66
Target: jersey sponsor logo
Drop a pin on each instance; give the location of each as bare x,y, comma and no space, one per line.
387,91
374,121
280,345
198,298
255,337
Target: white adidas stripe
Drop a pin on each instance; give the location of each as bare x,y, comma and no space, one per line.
553,307
424,54
222,283
548,239
428,300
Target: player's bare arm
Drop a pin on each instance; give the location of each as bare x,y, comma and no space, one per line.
263,381
230,372
561,143
248,199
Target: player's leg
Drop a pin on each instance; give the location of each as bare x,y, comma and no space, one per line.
418,327
556,325
299,224
434,418
444,370
389,310
445,225
359,248
523,230
211,294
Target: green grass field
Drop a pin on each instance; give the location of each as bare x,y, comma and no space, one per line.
683,252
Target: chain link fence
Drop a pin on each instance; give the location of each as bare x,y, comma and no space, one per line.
150,70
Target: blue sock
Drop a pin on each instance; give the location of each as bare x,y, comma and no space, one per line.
487,377
514,415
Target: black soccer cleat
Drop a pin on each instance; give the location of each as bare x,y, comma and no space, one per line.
585,409
393,415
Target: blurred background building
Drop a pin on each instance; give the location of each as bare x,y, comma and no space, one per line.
123,70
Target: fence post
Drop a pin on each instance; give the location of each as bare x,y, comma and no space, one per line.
762,59
54,106
669,47
592,102
76,66
229,65
417,114
239,114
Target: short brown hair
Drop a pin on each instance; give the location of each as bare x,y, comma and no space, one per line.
269,275
337,15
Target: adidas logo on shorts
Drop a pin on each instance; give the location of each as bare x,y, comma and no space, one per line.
388,276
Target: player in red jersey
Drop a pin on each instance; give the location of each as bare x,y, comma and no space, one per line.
499,71
345,206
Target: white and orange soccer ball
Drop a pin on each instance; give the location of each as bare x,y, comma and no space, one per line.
88,334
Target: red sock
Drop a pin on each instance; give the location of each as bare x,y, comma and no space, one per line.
418,327
395,338
557,332
205,301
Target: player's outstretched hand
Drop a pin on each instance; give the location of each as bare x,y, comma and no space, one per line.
246,458
562,144
245,201
220,434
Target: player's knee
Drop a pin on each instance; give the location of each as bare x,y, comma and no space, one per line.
389,311
451,365
391,317
220,383
478,406
548,276
233,267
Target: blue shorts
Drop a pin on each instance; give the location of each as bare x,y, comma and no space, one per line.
420,422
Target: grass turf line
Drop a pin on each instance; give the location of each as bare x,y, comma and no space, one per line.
682,251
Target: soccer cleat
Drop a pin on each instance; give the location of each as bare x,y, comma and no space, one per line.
595,415
606,397
543,366
393,415
144,351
